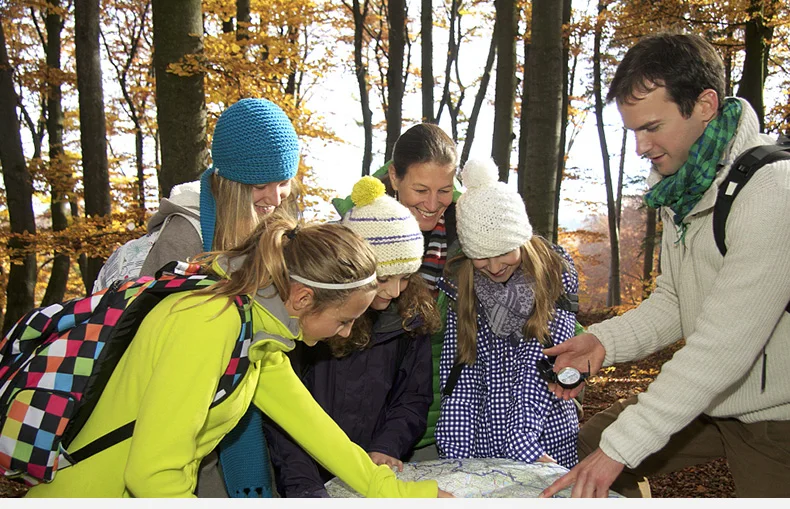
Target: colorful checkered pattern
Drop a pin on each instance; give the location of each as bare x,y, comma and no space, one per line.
55,361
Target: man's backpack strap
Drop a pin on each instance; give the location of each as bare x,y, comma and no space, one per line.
741,171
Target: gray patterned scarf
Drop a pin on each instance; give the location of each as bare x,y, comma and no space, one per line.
507,306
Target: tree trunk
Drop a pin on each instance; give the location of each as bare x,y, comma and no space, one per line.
135,105
93,132
538,174
620,174
397,45
61,186
522,183
290,86
426,37
360,12
479,98
180,100
452,57
242,16
649,249
19,195
728,63
754,63
613,296
567,88
504,99
242,20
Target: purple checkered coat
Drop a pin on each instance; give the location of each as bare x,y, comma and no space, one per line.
500,407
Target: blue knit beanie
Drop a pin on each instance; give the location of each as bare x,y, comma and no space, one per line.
254,143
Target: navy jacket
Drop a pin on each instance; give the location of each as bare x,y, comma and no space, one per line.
379,396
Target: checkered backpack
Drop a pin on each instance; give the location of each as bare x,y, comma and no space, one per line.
56,360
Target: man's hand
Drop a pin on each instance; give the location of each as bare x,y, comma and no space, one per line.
576,352
379,458
591,478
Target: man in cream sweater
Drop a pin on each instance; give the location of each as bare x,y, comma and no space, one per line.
726,393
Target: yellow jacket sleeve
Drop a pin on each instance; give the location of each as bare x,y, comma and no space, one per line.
281,395
191,350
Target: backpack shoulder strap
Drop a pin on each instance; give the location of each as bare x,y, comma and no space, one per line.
452,378
191,219
741,171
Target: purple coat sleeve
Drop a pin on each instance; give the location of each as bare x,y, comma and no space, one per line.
404,418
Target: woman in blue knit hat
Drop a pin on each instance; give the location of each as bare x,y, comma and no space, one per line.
255,153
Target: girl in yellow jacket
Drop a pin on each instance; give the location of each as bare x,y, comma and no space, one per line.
306,284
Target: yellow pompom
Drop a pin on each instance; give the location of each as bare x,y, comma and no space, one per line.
366,191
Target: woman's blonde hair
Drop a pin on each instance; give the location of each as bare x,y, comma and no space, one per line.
281,246
416,300
236,217
539,261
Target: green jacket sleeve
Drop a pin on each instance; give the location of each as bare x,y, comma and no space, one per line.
281,396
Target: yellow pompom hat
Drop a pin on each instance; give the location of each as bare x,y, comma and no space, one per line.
391,230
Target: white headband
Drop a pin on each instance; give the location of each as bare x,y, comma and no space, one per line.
334,286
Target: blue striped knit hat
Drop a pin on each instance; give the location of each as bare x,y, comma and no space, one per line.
390,228
254,143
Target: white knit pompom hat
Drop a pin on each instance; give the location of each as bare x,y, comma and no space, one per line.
491,217
390,228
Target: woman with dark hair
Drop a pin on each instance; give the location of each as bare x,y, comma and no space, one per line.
421,176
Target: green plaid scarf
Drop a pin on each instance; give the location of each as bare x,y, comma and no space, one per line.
681,191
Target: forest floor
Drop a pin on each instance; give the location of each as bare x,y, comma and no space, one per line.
617,382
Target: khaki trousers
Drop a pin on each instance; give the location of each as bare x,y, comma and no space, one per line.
758,454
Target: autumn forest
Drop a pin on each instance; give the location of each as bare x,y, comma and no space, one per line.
105,105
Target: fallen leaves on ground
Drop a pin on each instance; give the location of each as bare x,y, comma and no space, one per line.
708,480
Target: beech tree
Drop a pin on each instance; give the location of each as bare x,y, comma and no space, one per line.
130,56
454,90
649,248
506,29
18,185
480,96
567,87
93,131
543,89
359,10
426,71
59,174
180,97
396,10
613,298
